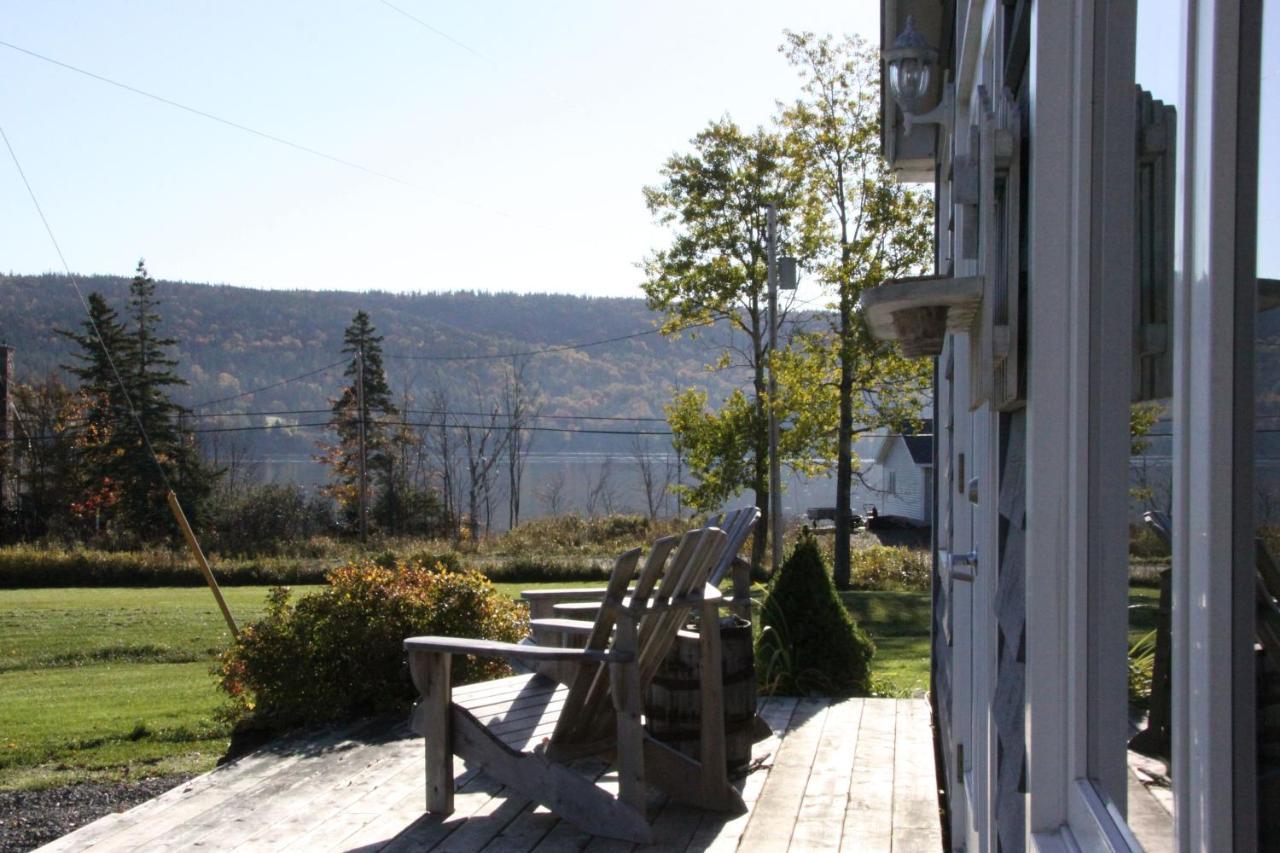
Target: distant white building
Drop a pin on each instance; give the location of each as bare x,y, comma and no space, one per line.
901,477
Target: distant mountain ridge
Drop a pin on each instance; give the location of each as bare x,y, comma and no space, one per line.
235,339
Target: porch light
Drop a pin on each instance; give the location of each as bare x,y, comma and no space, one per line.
910,65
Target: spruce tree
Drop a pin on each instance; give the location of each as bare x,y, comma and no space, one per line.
103,347
133,432
364,345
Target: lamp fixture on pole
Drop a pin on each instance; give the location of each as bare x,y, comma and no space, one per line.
910,65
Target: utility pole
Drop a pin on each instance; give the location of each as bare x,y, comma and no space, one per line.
8,447
364,483
775,473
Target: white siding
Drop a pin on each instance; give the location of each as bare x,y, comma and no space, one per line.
902,482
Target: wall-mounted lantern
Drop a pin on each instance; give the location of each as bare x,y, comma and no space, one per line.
910,66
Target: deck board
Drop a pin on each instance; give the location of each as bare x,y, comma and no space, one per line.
854,774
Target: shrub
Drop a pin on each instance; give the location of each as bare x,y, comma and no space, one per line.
266,519
544,570
890,568
808,641
338,653
573,534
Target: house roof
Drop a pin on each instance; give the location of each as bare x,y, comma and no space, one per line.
920,447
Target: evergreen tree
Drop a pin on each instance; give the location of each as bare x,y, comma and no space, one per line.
103,345
367,382
134,447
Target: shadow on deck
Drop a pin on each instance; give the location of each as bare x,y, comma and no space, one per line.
846,774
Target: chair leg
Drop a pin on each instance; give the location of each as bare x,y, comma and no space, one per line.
625,689
430,672
711,753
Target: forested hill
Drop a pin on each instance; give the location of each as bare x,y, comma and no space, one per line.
234,339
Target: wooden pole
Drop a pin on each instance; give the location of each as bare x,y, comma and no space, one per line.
775,473
188,534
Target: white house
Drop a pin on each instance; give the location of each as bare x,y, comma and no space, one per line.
1107,176
902,477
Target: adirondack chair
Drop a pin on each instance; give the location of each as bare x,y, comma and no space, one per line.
529,731
550,608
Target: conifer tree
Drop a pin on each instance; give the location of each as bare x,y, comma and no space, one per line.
367,383
134,448
103,344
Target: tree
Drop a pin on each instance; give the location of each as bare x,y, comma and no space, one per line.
133,448
519,402
359,420
164,441
656,475
102,346
873,228
715,270
46,466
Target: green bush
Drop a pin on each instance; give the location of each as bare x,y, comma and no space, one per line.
536,570
574,534
338,653
30,567
890,568
808,641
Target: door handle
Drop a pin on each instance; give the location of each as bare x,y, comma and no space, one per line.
964,567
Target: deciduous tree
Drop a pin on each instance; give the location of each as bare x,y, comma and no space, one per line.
873,228
715,269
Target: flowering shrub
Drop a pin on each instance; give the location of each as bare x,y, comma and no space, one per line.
338,653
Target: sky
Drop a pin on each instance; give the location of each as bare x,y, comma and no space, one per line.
511,140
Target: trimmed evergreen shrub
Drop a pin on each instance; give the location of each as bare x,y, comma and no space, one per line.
338,653
808,641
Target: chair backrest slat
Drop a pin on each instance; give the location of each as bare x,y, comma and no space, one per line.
588,711
619,578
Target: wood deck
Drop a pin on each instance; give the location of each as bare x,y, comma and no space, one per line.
856,774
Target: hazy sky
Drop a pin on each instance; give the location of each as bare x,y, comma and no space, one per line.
520,134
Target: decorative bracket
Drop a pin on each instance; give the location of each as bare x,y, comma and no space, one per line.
918,312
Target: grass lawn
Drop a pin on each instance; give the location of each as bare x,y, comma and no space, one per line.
898,622
117,683
113,683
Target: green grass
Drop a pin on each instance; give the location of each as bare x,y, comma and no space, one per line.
111,683
116,683
898,622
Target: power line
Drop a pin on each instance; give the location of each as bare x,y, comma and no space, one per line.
544,351
275,412
97,333
437,31
208,115
269,387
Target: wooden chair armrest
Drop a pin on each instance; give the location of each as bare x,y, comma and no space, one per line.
496,649
542,602
576,627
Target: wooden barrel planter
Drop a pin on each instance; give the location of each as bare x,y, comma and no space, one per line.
673,704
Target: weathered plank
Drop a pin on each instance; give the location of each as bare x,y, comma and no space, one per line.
775,812
868,816
721,834
857,774
820,823
915,792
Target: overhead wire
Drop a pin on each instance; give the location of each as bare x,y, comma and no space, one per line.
269,387
84,303
208,115
436,30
